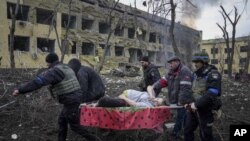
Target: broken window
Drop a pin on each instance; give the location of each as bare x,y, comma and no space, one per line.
139,54
73,48
103,28
44,16
22,13
131,33
119,31
226,61
89,1
214,50
152,37
151,56
87,24
135,55
226,50
225,71
88,48
132,54
160,39
21,43
66,18
107,53
214,61
46,45
119,51
242,61
243,48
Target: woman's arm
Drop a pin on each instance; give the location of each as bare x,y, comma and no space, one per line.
151,92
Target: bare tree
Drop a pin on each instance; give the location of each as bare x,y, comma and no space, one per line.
163,8
12,33
233,22
221,59
111,19
65,41
171,29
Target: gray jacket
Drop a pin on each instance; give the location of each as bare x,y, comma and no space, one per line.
179,83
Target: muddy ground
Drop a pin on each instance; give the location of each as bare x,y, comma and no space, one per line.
33,117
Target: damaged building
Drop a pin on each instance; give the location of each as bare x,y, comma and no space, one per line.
41,27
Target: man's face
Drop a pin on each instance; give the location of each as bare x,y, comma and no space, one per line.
174,64
198,65
144,64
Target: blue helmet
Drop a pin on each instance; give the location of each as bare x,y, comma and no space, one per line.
200,57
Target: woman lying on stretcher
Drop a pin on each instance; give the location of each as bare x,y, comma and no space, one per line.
131,98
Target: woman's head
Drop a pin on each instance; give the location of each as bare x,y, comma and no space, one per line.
159,101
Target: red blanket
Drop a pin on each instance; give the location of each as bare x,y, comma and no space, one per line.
124,118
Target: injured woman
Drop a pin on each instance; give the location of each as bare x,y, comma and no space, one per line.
135,110
131,98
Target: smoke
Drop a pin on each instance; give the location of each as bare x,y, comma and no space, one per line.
192,9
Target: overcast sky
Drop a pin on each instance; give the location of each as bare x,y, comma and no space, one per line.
209,16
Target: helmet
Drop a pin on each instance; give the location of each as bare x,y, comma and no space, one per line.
202,56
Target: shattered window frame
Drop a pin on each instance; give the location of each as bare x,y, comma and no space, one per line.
64,21
46,45
44,16
119,49
22,13
21,43
88,48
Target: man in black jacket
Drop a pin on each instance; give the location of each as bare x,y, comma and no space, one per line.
179,83
206,90
90,81
64,86
151,74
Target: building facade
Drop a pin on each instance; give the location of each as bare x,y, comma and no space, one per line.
217,50
42,25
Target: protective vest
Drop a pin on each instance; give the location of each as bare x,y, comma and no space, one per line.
68,84
199,87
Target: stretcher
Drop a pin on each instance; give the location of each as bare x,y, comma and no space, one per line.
125,118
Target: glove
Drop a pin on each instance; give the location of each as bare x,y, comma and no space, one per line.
193,107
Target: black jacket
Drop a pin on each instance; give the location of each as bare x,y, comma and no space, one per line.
51,76
151,75
91,84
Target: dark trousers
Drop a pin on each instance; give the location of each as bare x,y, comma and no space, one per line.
71,115
192,121
179,121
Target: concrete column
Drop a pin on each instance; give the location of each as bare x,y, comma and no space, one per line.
125,35
95,26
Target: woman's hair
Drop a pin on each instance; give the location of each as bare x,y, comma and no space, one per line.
160,101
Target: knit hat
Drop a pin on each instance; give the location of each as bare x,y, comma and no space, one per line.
144,58
75,65
51,58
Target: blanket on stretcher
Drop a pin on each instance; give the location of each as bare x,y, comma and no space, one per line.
124,118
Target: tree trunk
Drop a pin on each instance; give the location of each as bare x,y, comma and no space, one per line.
65,43
12,34
100,65
171,30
